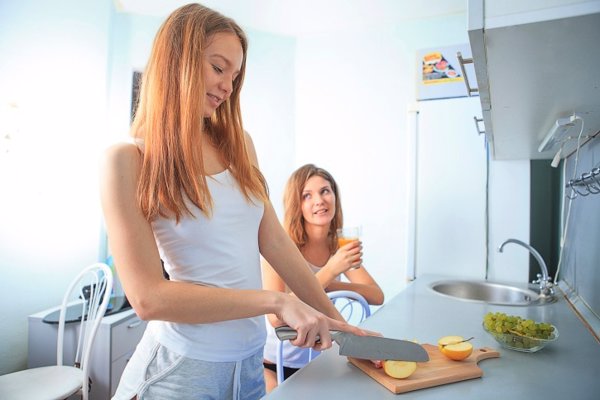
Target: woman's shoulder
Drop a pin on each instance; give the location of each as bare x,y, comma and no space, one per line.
251,149
122,156
119,171
123,150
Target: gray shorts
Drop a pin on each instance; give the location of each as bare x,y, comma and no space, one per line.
154,372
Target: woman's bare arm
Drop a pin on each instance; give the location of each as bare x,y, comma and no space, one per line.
362,283
342,262
283,255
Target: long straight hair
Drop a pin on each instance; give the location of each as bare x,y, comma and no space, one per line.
169,118
293,220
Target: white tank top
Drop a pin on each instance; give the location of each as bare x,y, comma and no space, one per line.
219,251
293,357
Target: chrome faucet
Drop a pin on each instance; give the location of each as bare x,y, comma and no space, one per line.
544,281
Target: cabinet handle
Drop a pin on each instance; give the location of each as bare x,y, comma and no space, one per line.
134,324
477,121
462,61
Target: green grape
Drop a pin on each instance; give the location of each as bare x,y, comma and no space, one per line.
516,331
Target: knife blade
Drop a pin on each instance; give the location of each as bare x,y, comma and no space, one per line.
368,347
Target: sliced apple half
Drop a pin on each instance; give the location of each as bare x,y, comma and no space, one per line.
455,348
399,369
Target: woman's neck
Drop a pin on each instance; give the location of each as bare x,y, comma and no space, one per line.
316,250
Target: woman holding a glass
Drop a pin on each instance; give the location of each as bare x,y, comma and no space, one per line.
313,218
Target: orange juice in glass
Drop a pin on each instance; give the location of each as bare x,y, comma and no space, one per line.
342,241
348,234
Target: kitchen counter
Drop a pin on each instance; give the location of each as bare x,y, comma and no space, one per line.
565,369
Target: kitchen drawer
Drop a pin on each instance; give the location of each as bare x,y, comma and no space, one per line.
126,336
116,370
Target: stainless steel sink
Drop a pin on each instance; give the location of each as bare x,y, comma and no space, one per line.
490,292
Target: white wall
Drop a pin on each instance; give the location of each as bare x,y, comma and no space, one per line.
268,107
130,44
352,90
53,79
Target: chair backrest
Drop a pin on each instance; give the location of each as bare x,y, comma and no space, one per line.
90,290
353,307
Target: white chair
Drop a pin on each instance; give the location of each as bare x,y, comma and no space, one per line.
61,381
353,307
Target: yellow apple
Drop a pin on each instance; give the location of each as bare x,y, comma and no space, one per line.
455,348
399,369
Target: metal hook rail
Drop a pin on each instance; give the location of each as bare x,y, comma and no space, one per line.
588,183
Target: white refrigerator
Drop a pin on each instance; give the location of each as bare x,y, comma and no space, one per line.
463,206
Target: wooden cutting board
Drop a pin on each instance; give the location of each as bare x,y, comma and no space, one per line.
439,370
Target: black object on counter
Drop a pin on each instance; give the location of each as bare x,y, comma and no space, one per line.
116,305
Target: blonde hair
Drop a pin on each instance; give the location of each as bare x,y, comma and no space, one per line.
170,120
293,220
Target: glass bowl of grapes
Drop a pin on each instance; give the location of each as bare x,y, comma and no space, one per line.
516,333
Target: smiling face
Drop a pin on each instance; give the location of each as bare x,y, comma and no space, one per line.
318,202
223,59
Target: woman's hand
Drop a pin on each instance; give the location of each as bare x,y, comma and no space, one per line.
345,258
310,324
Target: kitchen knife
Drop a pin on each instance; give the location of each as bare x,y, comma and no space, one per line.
368,347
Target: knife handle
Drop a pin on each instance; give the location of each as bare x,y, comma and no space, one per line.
284,332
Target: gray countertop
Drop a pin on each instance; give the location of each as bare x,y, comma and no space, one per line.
567,369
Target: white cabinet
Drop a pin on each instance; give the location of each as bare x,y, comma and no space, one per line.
535,61
116,340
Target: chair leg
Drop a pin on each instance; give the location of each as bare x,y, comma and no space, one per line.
279,362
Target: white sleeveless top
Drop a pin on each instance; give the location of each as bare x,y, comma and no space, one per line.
293,357
219,251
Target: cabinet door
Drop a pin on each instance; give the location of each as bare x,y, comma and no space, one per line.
126,335
124,339
116,369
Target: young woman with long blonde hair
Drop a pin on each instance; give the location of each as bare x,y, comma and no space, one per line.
189,192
